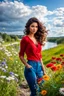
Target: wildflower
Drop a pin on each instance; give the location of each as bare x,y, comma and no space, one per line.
49,65
53,58
12,49
39,80
61,90
62,63
2,76
6,66
3,63
11,58
59,66
46,77
10,78
58,59
16,61
43,92
53,62
16,74
61,55
11,73
3,69
53,68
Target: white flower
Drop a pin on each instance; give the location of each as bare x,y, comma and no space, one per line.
12,49
16,61
6,67
0,48
3,69
6,50
16,74
0,67
0,44
2,76
61,90
10,78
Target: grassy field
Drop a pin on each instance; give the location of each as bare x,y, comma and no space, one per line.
11,71
56,51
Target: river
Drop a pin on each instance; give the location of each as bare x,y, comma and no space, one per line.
49,45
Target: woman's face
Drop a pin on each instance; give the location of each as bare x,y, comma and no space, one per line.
33,28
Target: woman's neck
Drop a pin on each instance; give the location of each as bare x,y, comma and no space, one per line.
31,35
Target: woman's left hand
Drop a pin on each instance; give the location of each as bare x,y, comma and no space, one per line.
44,73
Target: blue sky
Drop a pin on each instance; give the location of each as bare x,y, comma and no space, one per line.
15,13
51,4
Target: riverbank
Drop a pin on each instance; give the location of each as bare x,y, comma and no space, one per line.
49,45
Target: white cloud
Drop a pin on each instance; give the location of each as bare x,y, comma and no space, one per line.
58,21
14,15
50,13
40,10
56,32
49,26
59,11
14,10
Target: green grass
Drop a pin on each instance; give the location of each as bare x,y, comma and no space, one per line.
16,66
47,54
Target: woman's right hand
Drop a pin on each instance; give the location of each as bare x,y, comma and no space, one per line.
28,66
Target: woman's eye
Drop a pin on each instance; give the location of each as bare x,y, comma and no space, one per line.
32,26
35,26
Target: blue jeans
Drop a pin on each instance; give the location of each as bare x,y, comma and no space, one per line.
32,74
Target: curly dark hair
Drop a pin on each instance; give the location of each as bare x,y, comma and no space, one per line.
41,34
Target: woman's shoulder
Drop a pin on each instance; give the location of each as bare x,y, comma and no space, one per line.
24,38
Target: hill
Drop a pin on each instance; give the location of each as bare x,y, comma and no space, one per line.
12,71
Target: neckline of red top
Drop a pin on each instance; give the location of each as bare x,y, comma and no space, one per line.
32,41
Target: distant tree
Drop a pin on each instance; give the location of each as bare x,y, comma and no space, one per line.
4,36
1,39
12,39
16,38
8,38
0,34
58,40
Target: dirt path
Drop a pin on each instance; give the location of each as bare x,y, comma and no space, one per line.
24,89
11,44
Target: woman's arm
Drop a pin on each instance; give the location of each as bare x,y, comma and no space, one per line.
23,44
24,62
43,67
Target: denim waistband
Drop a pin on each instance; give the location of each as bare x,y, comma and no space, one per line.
33,61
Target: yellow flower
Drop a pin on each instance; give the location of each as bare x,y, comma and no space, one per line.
43,92
46,77
11,58
59,66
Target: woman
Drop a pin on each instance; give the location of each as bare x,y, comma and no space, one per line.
31,44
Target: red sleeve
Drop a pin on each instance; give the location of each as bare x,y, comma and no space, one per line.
23,44
41,55
41,52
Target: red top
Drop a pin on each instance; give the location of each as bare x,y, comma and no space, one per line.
32,51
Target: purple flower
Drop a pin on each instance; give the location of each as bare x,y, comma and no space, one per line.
11,73
3,63
3,69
